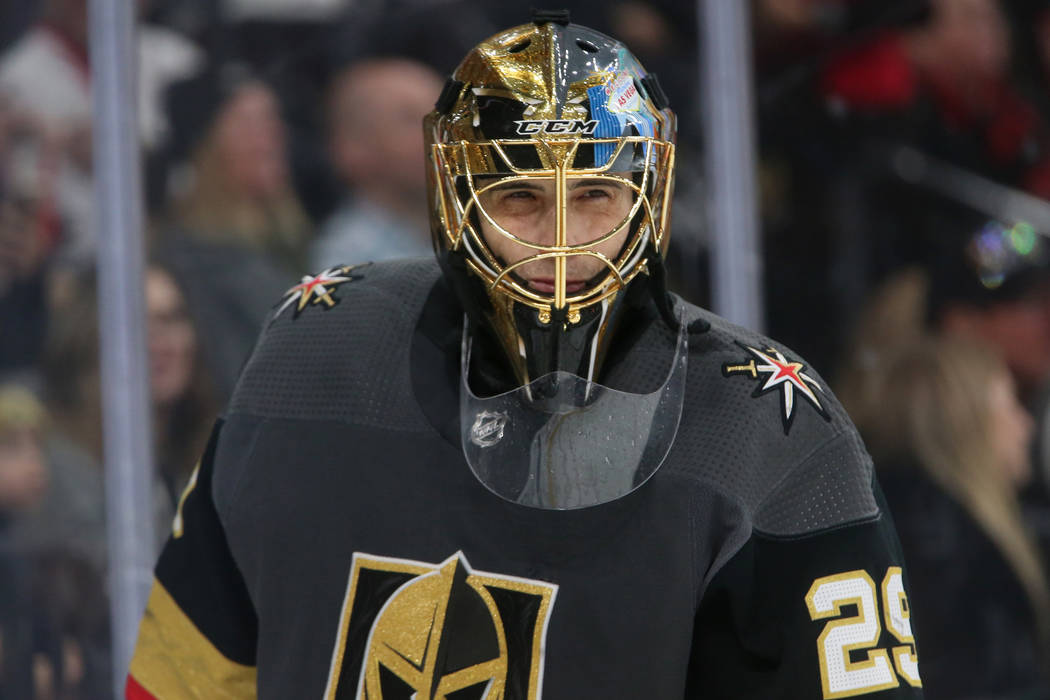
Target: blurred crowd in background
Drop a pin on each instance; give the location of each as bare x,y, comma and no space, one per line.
283,137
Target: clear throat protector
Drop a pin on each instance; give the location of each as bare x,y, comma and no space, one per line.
564,442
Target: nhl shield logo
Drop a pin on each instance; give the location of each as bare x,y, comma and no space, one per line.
488,428
411,629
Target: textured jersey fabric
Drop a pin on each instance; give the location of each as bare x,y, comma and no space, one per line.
335,544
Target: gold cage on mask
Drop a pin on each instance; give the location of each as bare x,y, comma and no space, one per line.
466,170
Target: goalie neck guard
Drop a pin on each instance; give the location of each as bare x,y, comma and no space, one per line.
550,172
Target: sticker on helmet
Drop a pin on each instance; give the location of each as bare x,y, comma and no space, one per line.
623,95
612,124
528,127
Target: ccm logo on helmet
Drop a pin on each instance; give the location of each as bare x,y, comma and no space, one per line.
527,127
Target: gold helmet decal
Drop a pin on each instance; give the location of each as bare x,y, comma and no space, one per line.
551,159
415,630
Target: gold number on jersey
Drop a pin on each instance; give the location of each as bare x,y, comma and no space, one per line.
842,673
839,676
898,622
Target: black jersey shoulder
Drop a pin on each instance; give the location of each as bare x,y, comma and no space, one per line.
764,428
341,358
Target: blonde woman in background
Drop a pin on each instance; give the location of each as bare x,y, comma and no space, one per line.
23,480
234,234
49,617
237,188
950,441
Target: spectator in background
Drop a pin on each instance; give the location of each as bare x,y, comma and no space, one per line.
894,318
45,75
234,236
985,283
23,471
235,189
61,539
990,282
42,648
28,231
71,515
950,441
60,535
71,640
375,107
23,479
181,392
948,88
836,213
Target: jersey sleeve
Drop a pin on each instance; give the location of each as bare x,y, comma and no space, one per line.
197,637
819,615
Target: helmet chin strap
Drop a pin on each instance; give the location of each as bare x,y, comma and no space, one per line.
489,372
657,282
560,345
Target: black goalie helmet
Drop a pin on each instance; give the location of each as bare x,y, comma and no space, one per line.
550,173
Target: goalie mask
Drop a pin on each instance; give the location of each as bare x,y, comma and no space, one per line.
550,172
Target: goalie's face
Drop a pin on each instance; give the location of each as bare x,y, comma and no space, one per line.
521,222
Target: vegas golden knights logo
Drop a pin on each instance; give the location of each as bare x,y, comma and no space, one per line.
411,630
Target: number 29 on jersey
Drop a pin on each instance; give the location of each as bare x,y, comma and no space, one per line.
851,663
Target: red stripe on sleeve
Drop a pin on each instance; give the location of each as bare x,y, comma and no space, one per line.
134,691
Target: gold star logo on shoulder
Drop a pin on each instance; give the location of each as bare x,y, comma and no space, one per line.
316,289
779,375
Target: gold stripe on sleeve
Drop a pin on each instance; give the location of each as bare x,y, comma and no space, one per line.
174,660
